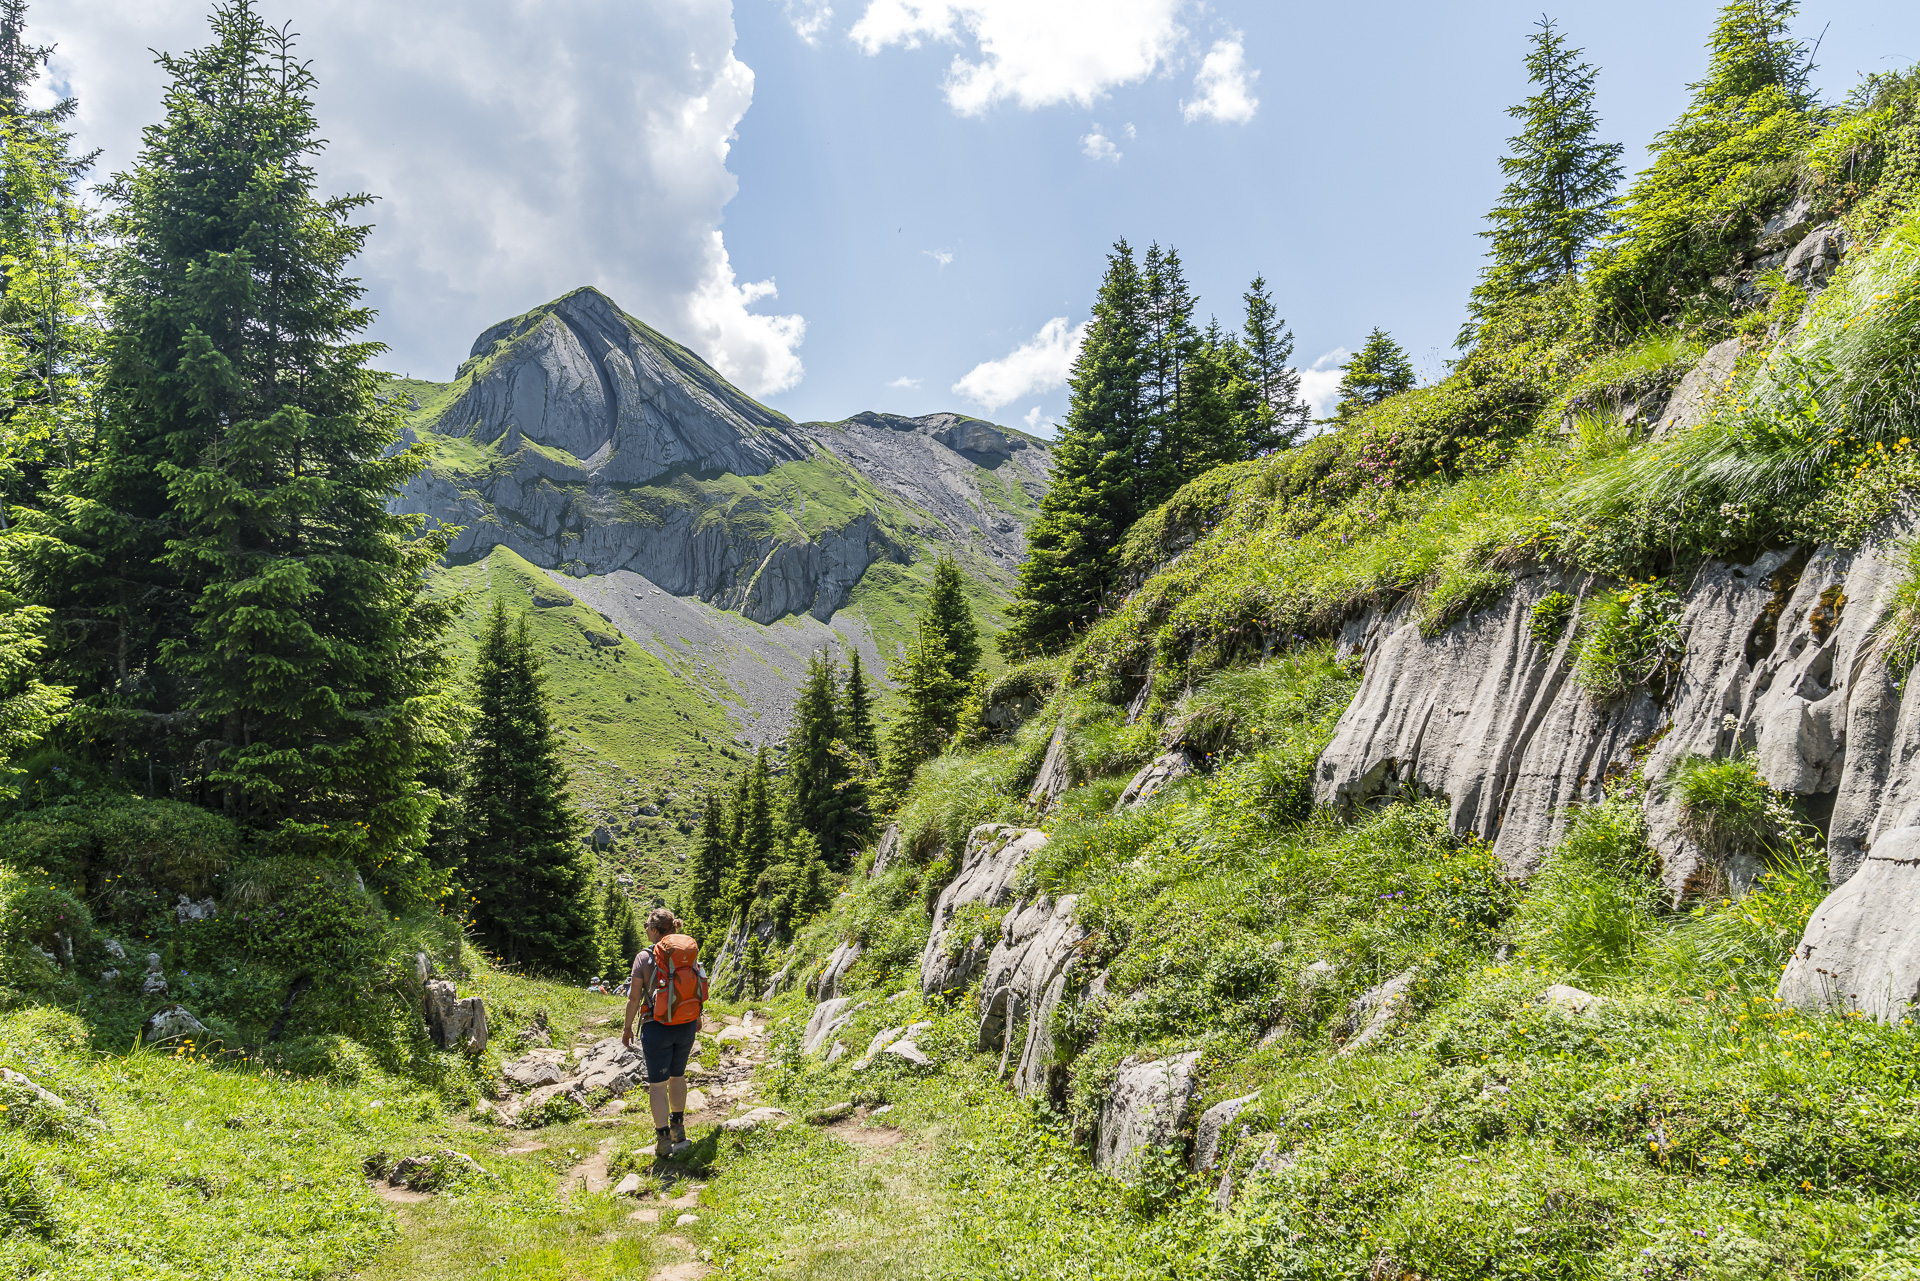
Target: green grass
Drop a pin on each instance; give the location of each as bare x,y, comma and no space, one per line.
632,729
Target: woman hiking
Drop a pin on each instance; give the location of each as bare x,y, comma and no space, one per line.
667,991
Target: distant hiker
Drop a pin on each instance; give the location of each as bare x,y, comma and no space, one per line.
668,989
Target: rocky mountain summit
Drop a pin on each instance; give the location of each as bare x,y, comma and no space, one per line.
591,444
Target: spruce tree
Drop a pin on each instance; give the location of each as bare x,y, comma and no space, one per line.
856,711
754,851
928,709
1217,402
1166,454
952,617
709,864
825,798
1689,216
1278,416
1560,182
239,610
1096,488
1380,369
524,866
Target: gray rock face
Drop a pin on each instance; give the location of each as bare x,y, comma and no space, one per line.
1154,776
1056,773
888,851
1211,1134
1700,390
1814,259
827,1018
1372,1012
838,964
581,438
1144,1109
988,865
1025,980
170,1023
453,1023
1861,949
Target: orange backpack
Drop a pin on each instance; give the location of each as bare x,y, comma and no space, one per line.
679,984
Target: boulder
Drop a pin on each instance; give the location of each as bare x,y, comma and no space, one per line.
1701,390
1026,978
1210,1136
455,1023
752,1120
21,1081
1814,259
827,1018
881,1040
906,1049
1056,773
602,835
843,959
628,1186
1143,1109
888,850
778,983
1371,1013
1571,998
609,1065
837,1053
1860,951
993,857
542,1067
171,1023
155,982
188,910
1154,776
115,951
830,1113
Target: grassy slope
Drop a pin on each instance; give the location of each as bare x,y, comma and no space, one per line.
634,731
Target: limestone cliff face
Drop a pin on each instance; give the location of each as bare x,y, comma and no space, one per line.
589,443
1785,660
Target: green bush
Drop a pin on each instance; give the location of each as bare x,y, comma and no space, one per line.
1725,806
1547,620
1628,638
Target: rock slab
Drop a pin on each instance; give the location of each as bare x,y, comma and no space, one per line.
1143,1110
992,858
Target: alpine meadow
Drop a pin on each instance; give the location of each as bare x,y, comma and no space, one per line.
1362,820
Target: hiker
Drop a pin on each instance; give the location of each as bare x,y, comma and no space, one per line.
668,990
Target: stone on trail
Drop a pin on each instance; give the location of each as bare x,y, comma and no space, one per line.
753,1120
686,1220
609,1065
733,1036
170,1023
696,1101
629,1186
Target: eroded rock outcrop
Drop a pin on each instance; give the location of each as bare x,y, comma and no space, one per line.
1026,978
1154,776
1143,1110
455,1023
988,865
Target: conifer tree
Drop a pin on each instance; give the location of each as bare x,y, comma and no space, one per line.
856,711
1714,173
1217,403
1165,452
1380,369
524,866
754,851
1278,416
711,860
826,799
239,610
1095,492
952,617
1560,181
928,709
620,935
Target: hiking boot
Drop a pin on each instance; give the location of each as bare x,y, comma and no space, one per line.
680,1149
662,1143
678,1128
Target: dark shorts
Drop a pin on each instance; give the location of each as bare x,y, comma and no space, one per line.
666,1047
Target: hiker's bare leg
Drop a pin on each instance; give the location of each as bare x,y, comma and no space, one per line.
657,1101
677,1091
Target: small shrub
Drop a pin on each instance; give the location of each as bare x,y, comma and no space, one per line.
1725,806
1547,620
1628,638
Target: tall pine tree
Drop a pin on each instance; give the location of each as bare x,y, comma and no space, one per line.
708,865
1278,416
754,851
1380,369
928,710
1096,488
856,711
524,866
242,615
826,798
1560,182
1165,452
950,615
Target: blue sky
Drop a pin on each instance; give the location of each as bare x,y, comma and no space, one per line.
905,204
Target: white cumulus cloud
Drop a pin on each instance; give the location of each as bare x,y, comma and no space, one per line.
809,17
1036,365
1320,385
518,151
1039,422
1225,86
941,256
1097,146
1034,53
905,383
